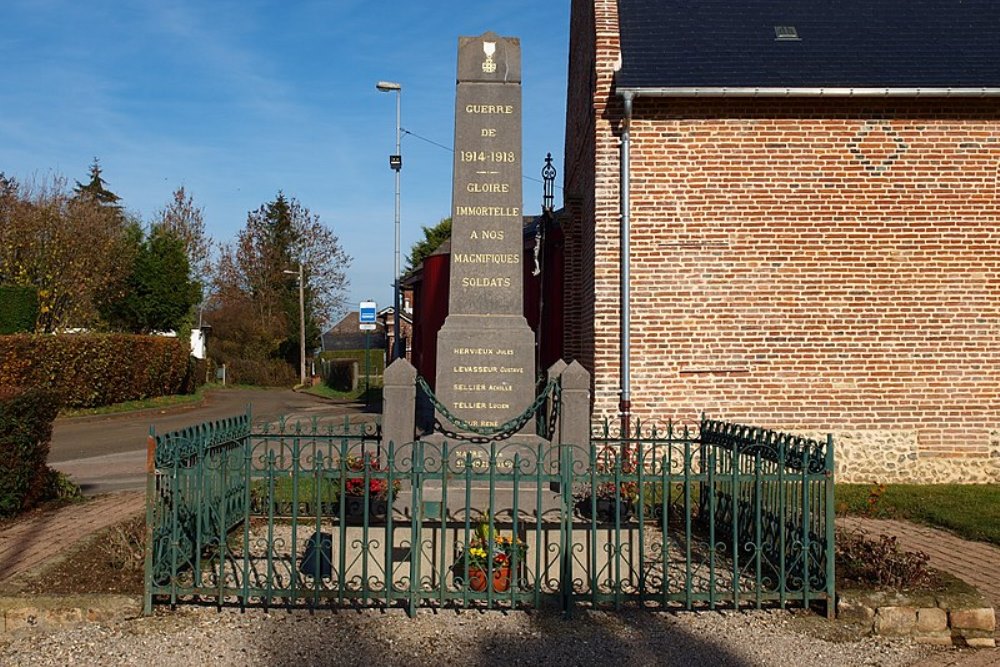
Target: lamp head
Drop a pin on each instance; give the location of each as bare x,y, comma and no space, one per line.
388,86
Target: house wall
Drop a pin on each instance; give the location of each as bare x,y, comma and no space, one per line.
814,265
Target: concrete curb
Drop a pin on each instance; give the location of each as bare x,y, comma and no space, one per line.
26,614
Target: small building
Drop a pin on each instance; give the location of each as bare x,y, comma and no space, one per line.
809,194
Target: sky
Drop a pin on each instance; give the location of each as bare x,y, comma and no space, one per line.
236,101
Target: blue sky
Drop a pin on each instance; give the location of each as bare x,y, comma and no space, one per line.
237,100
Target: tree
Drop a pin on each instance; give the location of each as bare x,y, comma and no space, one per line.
76,251
433,238
96,189
187,221
257,310
161,292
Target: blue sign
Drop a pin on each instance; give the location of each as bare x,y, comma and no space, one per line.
367,312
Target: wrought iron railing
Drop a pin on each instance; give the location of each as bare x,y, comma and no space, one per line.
320,514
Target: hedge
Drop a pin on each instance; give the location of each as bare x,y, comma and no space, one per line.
376,358
18,309
26,418
91,370
270,373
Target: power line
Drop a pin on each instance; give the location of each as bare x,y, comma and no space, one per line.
452,150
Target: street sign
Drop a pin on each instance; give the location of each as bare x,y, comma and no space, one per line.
366,326
367,314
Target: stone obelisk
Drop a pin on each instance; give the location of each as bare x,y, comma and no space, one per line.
485,354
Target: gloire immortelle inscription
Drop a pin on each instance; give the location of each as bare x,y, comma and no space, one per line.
485,353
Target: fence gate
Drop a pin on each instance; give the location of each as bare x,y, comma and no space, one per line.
329,515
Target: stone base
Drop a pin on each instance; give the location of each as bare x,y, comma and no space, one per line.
485,368
961,620
894,457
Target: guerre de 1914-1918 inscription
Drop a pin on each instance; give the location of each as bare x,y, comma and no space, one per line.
485,351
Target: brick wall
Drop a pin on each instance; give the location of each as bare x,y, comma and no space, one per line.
806,264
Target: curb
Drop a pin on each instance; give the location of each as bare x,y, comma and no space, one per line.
24,614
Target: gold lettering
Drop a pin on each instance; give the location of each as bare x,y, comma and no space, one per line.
486,258
489,132
500,188
486,282
489,211
469,387
489,108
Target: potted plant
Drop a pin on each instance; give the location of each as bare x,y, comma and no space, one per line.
486,546
607,500
378,495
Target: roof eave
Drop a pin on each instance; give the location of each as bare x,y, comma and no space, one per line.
708,91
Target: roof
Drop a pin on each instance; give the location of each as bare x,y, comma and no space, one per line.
846,44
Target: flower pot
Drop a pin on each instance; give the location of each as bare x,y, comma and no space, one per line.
479,576
607,508
354,509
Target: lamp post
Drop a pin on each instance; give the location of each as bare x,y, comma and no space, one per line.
396,164
302,324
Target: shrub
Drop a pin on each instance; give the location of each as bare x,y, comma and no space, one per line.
26,418
18,309
270,373
880,562
91,370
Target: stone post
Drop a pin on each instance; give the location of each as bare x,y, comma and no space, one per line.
399,396
555,370
574,417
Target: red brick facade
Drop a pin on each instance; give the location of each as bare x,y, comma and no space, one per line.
804,263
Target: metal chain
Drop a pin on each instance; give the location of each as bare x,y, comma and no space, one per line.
510,426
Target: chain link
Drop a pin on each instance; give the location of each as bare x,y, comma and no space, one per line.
509,427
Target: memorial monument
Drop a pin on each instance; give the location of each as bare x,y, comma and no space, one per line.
485,349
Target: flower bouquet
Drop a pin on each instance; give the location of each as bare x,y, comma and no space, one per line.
378,494
486,547
605,500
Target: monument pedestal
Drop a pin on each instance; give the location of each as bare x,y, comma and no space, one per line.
485,375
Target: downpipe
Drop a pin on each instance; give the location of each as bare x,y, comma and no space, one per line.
625,401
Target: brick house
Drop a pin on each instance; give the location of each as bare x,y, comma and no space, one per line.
809,193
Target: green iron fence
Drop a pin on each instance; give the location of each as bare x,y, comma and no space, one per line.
328,515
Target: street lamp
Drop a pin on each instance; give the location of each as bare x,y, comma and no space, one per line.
302,324
396,164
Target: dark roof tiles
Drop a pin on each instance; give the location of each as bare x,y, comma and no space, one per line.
842,44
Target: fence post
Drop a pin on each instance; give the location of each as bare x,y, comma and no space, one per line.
574,445
831,591
147,605
399,403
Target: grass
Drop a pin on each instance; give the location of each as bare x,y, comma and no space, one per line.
970,510
325,391
329,490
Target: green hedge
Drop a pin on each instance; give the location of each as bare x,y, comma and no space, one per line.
376,359
18,309
26,418
270,373
91,370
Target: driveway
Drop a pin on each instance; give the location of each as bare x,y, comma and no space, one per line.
108,453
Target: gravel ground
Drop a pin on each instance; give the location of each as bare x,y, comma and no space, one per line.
198,636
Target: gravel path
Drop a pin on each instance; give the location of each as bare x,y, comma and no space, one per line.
198,636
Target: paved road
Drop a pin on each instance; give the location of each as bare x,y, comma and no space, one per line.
109,453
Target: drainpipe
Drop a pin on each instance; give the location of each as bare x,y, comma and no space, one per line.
625,403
